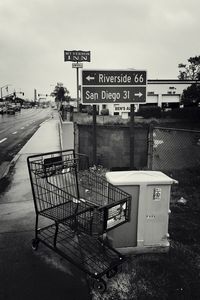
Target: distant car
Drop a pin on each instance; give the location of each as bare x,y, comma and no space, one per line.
53,106
3,109
26,106
10,110
44,106
17,108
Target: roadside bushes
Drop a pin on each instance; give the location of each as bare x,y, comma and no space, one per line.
90,111
149,112
105,112
190,113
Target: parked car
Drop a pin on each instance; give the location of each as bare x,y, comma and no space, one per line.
3,109
18,107
44,106
11,110
26,106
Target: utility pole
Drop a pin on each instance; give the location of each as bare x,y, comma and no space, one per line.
35,95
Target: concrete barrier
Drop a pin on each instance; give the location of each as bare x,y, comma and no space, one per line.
66,134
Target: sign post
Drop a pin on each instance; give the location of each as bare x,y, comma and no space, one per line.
77,56
94,135
132,137
77,89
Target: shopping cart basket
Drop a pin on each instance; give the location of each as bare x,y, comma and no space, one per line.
80,204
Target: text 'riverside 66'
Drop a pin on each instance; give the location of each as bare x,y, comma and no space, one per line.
104,86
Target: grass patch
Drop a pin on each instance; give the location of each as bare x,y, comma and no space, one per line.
175,275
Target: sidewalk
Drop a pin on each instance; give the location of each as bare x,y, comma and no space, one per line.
25,274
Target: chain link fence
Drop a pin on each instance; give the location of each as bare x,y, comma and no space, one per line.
176,152
175,149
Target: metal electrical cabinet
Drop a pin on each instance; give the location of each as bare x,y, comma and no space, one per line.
149,216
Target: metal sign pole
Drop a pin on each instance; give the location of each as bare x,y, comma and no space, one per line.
132,135
77,65
94,137
77,79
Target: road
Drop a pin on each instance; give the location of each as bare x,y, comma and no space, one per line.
16,130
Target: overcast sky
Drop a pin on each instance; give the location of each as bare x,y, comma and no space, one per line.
155,35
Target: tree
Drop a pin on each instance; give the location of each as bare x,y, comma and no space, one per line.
191,95
61,93
191,70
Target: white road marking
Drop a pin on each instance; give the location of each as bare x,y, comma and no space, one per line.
22,128
14,132
1,141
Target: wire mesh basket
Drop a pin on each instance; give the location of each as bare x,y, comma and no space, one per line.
64,191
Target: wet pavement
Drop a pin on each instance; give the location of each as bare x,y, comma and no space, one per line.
24,273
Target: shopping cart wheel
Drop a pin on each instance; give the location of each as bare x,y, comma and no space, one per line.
99,285
112,272
35,243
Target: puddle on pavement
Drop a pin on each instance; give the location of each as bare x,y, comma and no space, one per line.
4,183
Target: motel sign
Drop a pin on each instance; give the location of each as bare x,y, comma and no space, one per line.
76,55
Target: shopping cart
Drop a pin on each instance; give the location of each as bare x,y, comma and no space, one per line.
82,207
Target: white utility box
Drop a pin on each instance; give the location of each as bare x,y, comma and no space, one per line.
149,216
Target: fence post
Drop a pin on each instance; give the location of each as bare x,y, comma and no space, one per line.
94,136
76,138
150,148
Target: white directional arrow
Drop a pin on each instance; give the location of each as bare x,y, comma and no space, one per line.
138,94
90,78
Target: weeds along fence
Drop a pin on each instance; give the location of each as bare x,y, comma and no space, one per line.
177,153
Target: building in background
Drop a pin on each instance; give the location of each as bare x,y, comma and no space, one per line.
165,93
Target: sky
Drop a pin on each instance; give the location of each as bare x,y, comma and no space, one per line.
152,35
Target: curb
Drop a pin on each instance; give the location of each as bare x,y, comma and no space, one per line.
45,121
60,132
10,165
16,157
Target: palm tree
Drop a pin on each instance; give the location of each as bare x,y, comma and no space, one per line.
60,93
